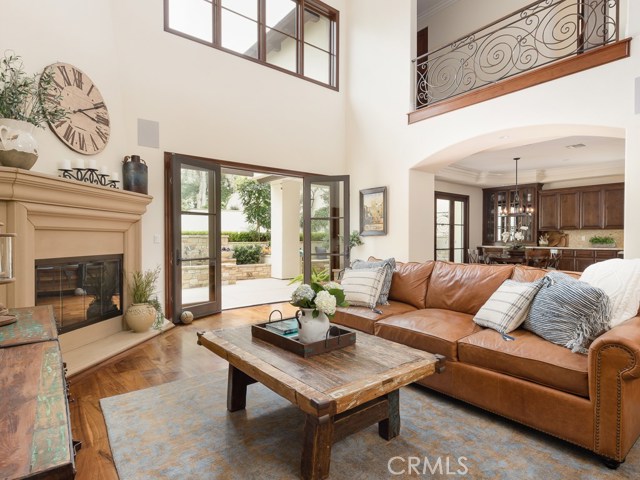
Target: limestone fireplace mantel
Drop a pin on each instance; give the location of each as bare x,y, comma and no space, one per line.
59,218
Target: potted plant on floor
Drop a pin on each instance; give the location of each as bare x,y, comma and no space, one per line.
145,310
23,107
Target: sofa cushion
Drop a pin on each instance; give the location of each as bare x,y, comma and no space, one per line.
410,281
432,330
568,312
362,287
464,288
389,266
528,357
522,273
363,319
507,308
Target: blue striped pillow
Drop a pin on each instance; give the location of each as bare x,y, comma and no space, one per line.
389,265
569,312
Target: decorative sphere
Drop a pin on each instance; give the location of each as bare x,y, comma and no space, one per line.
186,317
79,292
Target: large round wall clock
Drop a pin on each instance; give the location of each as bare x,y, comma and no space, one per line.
86,129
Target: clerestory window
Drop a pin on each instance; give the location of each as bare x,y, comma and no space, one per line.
295,36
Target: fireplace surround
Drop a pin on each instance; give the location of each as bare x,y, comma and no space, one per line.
56,218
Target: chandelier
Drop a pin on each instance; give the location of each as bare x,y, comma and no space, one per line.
515,206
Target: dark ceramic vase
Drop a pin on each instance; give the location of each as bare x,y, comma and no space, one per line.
135,176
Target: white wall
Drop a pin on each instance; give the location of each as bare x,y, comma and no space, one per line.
475,207
208,103
382,148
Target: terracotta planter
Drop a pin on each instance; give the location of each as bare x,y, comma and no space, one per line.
140,317
18,148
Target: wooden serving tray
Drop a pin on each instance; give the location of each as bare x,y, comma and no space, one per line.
344,338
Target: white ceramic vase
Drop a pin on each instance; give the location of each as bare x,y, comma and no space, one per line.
140,317
312,329
18,147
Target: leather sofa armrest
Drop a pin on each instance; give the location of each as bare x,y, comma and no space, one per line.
614,367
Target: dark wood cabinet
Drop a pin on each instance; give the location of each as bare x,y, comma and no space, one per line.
578,260
613,206
500,216
569,211
548,213
593,207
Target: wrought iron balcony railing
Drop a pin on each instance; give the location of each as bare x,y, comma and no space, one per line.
539,34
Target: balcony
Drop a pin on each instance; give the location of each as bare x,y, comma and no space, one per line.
543,41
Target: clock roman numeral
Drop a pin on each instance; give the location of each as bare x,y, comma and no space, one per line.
93,142
102,119
77,78
99,105
102,135
60,124
51,97
65,75
69,135
90,90
82,143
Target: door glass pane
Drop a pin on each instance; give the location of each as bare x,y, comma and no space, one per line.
458,236
239,34
442,255
317,30
458,255
198,242
458,208
193,17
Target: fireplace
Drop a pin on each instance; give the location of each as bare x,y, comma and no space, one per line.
82,290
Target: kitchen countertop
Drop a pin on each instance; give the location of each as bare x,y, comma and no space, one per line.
615,249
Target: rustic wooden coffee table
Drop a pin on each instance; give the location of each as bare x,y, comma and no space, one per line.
340,392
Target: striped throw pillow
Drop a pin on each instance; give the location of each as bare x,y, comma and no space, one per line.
569,312
389,265
507,308
362,286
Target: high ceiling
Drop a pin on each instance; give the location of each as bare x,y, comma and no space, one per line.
562,152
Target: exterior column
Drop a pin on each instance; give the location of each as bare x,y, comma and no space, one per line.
285,228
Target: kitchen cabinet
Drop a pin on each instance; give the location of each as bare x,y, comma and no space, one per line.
594,207
579,259
499,215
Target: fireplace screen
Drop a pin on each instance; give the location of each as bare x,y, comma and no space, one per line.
82,290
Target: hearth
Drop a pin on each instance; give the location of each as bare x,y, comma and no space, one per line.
82,290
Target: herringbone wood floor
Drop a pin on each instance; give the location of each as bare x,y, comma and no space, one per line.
170,356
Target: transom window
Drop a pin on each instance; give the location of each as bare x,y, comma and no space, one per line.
294,36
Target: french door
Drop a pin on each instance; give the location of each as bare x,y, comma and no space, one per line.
326,226
194,276
452,227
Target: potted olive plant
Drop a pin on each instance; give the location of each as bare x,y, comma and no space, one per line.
26,101
145,310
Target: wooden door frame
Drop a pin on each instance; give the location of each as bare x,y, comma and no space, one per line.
168,203
452,197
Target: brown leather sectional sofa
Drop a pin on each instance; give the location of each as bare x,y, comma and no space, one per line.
590,400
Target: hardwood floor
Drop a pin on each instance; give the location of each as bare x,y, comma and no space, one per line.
170,356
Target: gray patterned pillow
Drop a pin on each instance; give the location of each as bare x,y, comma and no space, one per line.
389,265
568,312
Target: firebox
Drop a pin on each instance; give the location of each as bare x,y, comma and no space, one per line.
82,290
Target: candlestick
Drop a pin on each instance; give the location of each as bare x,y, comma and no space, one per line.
115,176
65,165
104,170
92,164
78,163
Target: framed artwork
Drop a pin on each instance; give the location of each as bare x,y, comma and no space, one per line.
373,211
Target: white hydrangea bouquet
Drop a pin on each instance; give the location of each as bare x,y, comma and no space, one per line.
321,298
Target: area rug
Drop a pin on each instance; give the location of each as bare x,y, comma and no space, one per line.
182,430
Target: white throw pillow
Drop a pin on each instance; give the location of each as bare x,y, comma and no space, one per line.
362,286
620,280
507,308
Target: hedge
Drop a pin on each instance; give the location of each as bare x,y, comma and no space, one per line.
247,254
253,236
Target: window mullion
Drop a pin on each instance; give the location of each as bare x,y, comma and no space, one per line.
217,22
262,30
300,37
